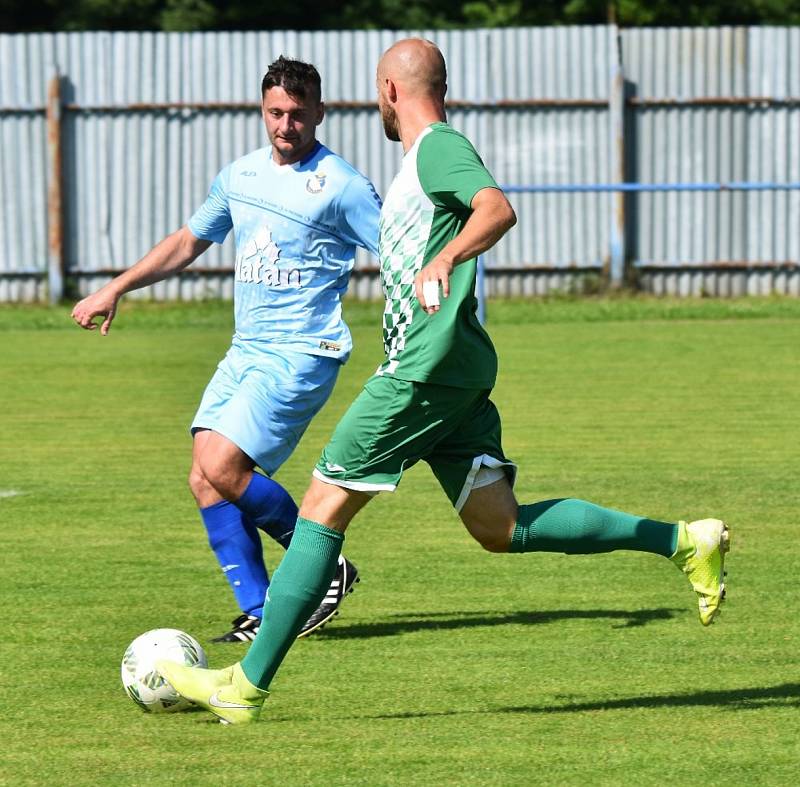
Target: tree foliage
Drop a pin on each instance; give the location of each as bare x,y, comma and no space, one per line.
50,15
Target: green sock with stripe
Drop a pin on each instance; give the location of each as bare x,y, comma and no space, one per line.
297,588
577,527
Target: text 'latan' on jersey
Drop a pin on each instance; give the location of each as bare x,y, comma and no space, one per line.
296,227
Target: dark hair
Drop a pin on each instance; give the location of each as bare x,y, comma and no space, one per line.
298,79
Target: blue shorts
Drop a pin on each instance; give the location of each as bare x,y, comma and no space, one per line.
263,400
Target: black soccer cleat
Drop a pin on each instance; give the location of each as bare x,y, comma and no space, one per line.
343,580
245,628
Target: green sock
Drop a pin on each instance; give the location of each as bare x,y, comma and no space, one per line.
297,588
577,527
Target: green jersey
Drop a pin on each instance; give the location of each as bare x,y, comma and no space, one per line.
426,206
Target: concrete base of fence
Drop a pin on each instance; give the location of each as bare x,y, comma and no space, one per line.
364,286
23,289
722,284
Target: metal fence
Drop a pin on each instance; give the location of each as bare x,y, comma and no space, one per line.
619,150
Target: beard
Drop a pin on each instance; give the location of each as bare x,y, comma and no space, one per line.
389,119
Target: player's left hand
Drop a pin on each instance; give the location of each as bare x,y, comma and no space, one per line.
427,282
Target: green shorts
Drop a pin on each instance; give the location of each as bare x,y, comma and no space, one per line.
393,424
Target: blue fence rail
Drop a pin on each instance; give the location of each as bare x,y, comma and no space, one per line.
608,187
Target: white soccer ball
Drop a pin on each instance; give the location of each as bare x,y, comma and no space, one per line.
139,677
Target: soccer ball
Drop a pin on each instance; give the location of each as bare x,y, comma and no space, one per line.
139,677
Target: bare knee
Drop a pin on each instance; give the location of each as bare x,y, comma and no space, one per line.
498,546
227,479
495,537
220,470
490,515
196,481
331,505
222,465
202,490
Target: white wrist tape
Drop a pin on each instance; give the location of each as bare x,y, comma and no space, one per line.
430,292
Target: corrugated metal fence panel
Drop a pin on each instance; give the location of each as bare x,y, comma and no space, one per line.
132,177
686,143
773,149
550,146
23,179
747,142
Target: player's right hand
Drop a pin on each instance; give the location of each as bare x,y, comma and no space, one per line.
99,304
430,278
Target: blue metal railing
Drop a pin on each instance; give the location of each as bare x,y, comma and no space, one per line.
573,188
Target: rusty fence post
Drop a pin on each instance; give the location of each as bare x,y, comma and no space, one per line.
616,111
55,191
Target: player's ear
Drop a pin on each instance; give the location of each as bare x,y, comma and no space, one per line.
391,90
320,112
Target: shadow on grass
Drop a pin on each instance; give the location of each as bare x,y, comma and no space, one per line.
783,695
407,623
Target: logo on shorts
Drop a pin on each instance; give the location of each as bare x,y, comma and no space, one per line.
316,183
331,346
331,468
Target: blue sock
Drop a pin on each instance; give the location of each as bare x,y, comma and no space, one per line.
237,545
270,507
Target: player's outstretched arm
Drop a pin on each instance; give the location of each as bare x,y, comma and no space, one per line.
492,217
166,258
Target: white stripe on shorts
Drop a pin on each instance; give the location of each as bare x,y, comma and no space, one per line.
358,486
482,473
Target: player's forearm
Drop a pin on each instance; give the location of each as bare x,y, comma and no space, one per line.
165,259
490,220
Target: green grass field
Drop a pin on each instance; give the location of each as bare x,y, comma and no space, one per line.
448,665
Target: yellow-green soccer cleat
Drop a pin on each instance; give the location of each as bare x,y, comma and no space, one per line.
225,692
701,556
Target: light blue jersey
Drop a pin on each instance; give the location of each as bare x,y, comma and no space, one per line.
296,228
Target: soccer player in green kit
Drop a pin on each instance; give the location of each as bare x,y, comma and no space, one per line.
429,400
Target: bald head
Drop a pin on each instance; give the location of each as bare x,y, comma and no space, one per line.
416,66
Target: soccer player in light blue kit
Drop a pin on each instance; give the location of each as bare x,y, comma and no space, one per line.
297,211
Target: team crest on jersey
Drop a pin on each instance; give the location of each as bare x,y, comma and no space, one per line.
316,183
